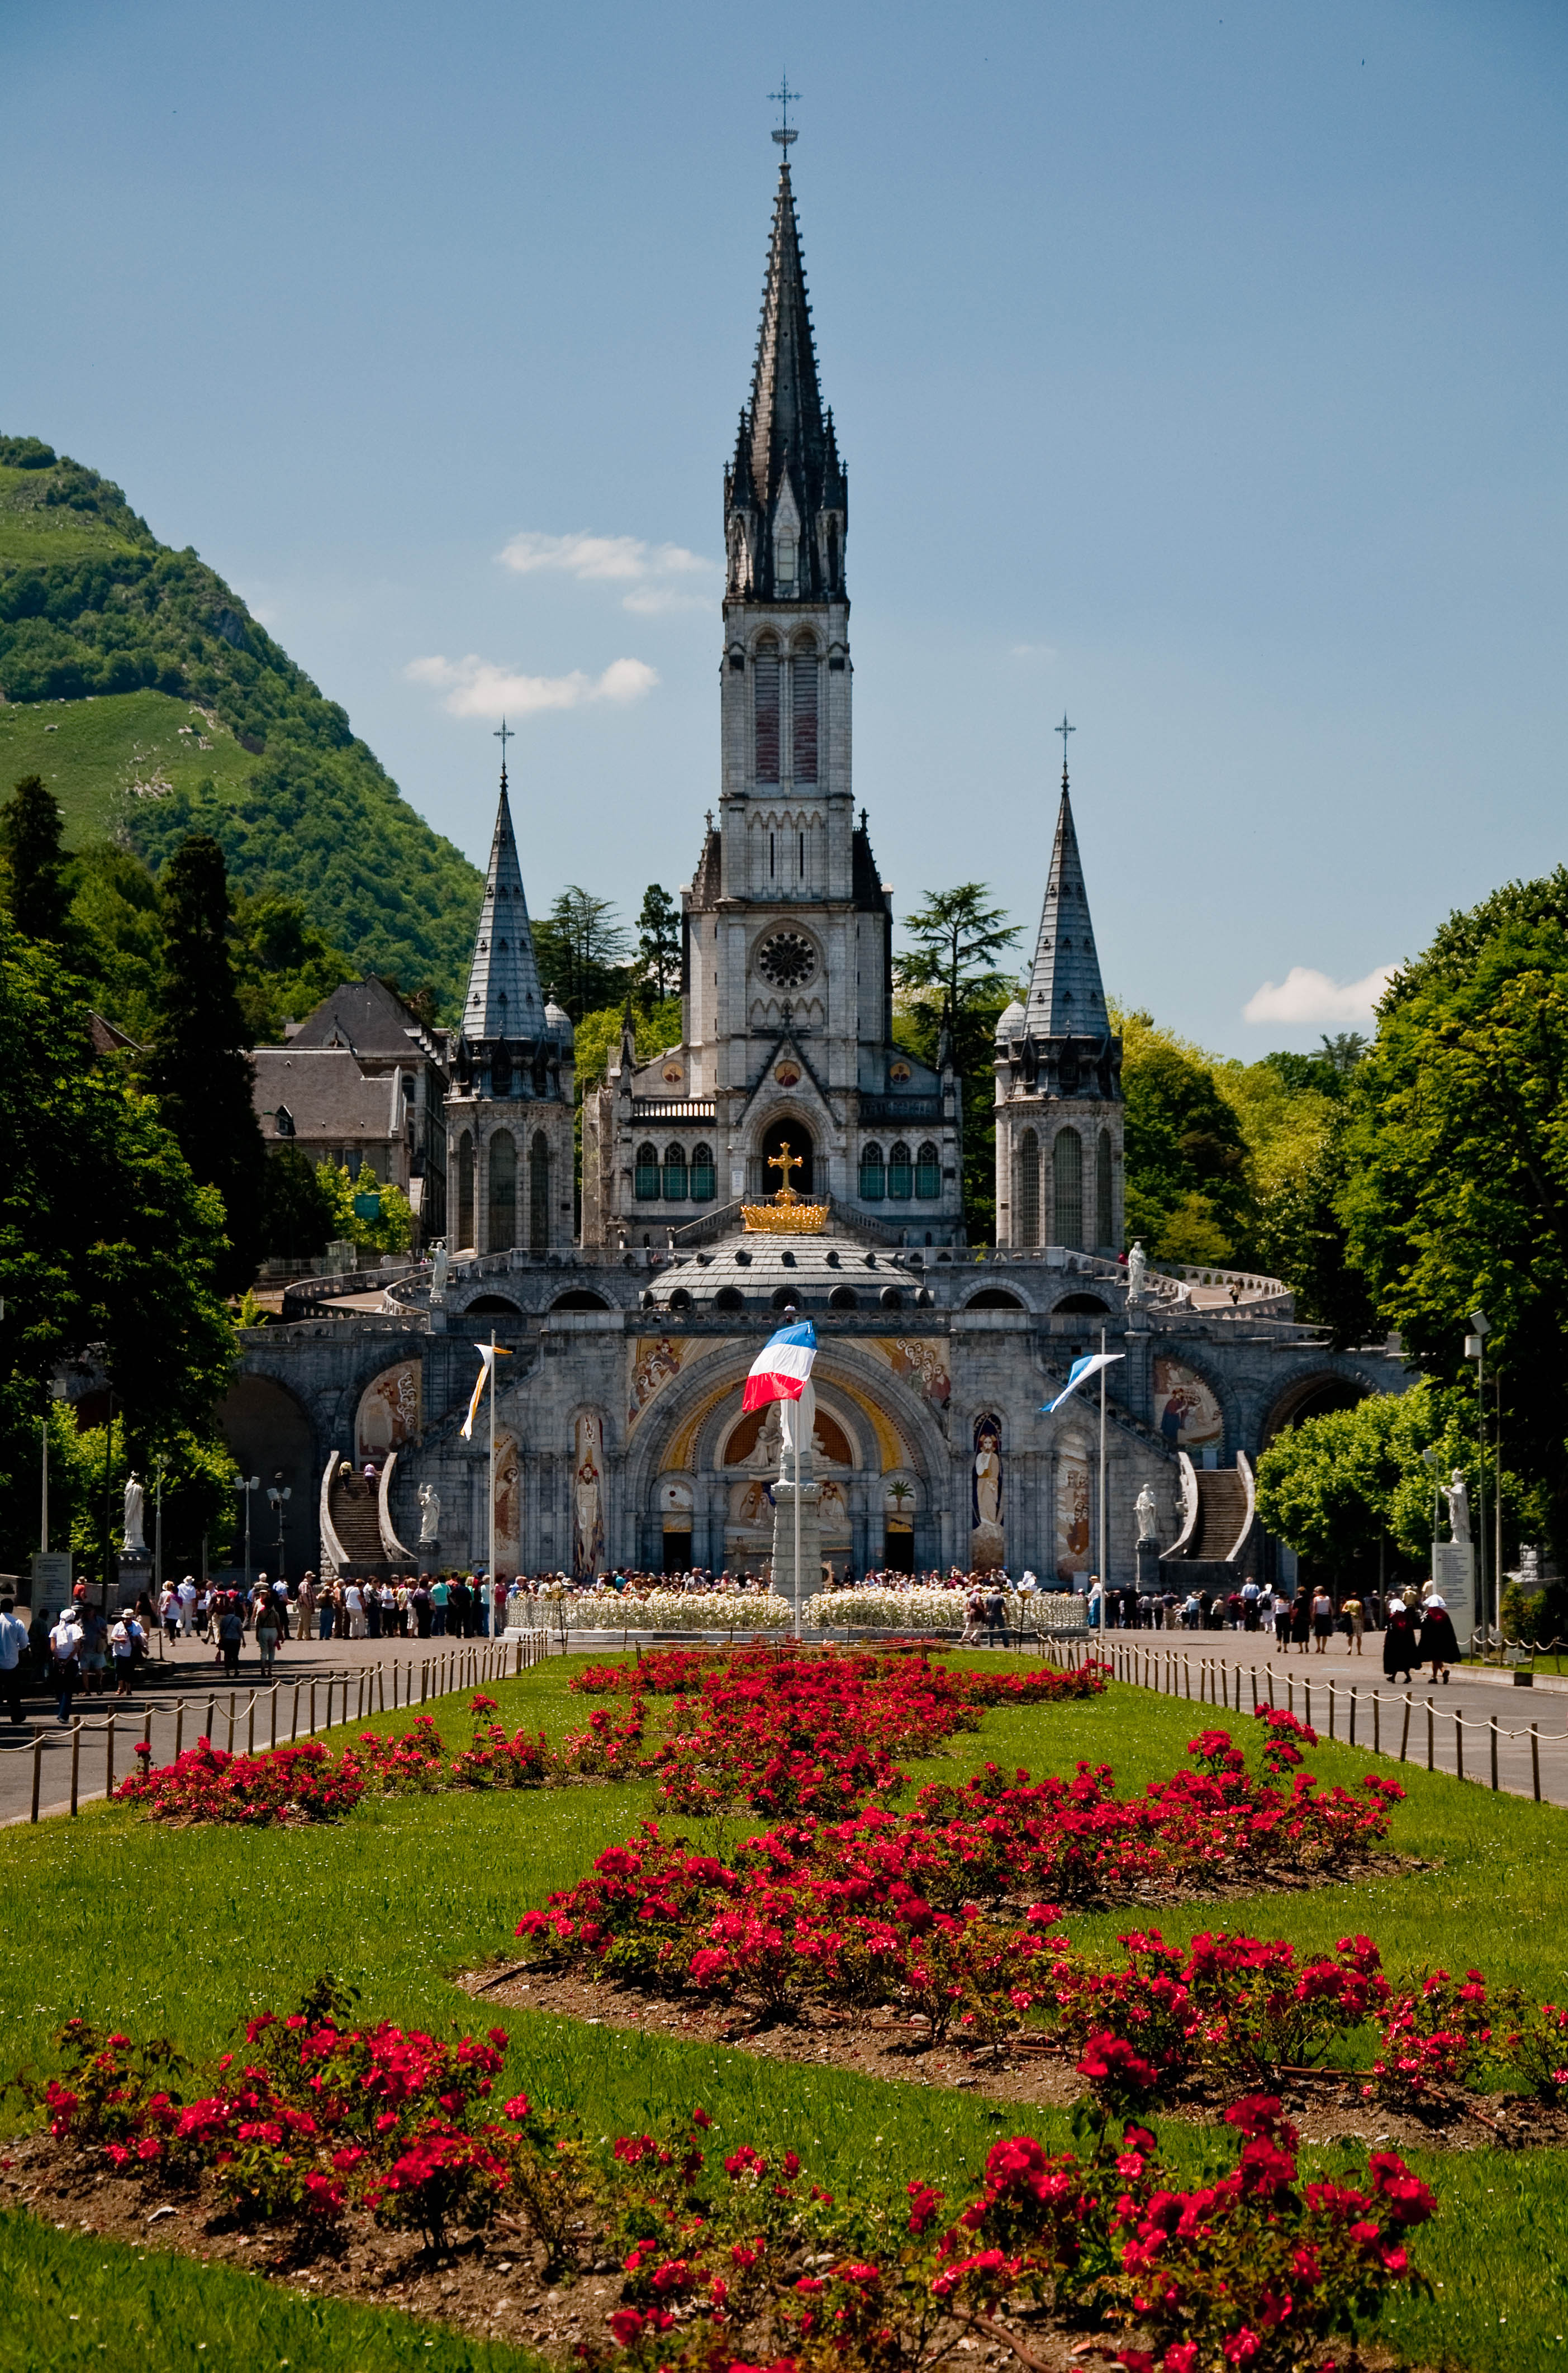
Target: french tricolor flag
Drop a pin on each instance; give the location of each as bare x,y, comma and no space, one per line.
782,1368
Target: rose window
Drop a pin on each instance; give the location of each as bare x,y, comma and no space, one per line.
787,960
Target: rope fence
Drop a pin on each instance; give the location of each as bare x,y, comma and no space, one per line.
1172,1672
469,1666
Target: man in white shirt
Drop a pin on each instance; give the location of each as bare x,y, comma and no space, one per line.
13,1651
187,1605
123,1636
65,1647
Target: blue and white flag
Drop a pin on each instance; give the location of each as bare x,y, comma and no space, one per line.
782,1368
1080,1373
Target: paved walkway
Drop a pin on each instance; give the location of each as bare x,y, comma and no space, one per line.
1449,1724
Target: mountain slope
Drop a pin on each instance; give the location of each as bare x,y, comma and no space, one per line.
152,703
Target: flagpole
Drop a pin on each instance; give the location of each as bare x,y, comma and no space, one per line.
490,1578
799,1408
1103,1578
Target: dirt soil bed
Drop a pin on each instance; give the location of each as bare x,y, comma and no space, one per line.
1326,2105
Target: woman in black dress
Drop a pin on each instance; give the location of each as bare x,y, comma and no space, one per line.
1439,1642
1399,1649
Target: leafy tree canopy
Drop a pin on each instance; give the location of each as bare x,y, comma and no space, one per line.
34,855
948,979
658,941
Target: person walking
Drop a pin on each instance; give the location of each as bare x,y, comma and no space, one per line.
1353,1614
1400,1648
1439,1642
13,1656
439,1595
230,1636
268,1631
65,1648
188,1597
1322,1618
996,1616
1281,1622
123,1641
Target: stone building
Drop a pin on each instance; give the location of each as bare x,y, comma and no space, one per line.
621,1435
363,1078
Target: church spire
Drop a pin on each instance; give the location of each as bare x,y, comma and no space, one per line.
1066,998
503,999
785,497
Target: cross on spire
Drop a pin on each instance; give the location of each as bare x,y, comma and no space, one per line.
781,97
504,734
1064,729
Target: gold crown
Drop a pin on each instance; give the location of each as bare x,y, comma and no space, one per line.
795,1219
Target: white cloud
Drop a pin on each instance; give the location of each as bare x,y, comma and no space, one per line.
476,687
1304,996
614,560
1045,651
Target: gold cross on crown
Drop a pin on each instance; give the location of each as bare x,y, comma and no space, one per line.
786,1162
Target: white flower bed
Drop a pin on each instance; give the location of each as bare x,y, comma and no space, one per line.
885,1607
654,1611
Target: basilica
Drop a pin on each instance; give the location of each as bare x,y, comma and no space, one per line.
787,1155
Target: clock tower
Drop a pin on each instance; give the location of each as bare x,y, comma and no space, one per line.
787,949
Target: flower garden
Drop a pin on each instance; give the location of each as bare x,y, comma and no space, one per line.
1196,2069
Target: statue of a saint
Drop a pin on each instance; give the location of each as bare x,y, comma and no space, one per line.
439,1267
429,1514
135,1503
1144,1508
1457,1495
1137,1266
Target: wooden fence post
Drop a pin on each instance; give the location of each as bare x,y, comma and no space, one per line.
1377,1722
38,1770
312,1708
1431,1747
231,1697
1535,1757
212,1709
1459,1746
1353,1737
1255,1688
1494,1754
76,1764
251,1726
178,1725
1405,1731
109,1758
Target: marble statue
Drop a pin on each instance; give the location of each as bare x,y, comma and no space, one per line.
136,1504
1144,1508
439,1267
429,1514
1457,1495
1137,1267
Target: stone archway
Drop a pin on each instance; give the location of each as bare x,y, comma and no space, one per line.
1310,1396
272,1438
793,1132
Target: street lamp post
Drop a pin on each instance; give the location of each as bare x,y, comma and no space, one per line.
280,1494
248,1484
1475,1348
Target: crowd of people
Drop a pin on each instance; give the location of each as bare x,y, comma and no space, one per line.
1416,1625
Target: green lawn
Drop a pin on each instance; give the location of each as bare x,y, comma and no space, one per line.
102,757
41,532
184,1932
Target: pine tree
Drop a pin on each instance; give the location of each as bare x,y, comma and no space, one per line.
200,1068
30,839
658,939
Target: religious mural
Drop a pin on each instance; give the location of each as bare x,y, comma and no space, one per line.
389,1414
1074,1516
655,1361
921,1364
751,1504
1185,1412
508,1504
588,1495
833,1516
987,1536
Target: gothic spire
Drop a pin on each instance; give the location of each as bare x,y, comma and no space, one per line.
786,488
503,983
1066,997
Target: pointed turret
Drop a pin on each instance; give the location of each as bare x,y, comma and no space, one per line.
785,495
503,999
1066,998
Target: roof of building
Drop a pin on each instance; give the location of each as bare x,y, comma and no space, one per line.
368,1016
504,999
1066,998
327,1094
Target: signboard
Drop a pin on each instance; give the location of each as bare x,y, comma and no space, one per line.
1454,1572
51,1577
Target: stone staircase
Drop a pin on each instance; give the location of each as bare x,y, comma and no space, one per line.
353,1507
1221,1512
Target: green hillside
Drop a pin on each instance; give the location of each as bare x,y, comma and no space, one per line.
140,688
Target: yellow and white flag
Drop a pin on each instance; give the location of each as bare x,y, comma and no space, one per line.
488,1354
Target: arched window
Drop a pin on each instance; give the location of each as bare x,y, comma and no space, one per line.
764,709
803,706
705,1183
1105,1223
900,1174
539,1192
647,1181
503,1192
874,1178
1028,1191
465,1188
928,1172
675,1173
786,559
1069,1152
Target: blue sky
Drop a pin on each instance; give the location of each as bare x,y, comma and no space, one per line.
1199,372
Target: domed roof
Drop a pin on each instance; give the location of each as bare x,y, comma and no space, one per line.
1011,1022
764,1274
559,1023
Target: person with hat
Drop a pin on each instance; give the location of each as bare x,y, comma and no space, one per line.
13,1651
1400,1646
65,1647
1439,1642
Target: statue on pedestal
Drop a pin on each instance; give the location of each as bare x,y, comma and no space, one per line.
136,1504
439,1267
1457,1495
1137,1266
1145,1509
429,1514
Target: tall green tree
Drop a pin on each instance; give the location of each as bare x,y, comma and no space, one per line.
106,1243
299,1210
32,842
1455,1190
948,979
582,952
199,1067
1190,1193
658,941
